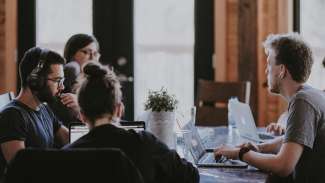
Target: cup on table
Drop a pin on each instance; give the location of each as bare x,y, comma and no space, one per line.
183,141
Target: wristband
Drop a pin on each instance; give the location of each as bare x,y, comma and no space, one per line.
242,151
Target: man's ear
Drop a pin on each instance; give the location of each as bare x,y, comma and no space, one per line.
283,71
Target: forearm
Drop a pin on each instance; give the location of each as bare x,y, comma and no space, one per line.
10,148
282,164
272,146
266,162
63,135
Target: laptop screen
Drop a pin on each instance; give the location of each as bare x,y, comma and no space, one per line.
135,125
197,148
244,120
77,130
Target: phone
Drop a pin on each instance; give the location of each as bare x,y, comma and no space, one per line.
135,125
77,130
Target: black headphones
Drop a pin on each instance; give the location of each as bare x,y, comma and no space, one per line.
36,80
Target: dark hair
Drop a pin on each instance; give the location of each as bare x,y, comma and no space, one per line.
75,43
100,91
293,52
31,59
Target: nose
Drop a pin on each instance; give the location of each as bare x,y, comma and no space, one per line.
266,70
91,56
61,86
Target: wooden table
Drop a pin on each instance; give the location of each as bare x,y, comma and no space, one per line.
212,137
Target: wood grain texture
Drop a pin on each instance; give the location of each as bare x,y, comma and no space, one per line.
8,45
239,52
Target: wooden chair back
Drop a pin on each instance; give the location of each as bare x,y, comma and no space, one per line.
212,100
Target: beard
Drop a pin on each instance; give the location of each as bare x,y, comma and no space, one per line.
274,87
45,95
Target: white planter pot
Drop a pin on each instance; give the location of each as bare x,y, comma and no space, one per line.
161,124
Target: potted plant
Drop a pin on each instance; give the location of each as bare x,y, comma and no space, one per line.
161,115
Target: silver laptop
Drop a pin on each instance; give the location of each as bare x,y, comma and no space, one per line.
77,130
245,123
205,158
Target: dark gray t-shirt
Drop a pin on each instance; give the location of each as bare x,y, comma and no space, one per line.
35,127
306,126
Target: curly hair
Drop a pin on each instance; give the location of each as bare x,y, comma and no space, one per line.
293,52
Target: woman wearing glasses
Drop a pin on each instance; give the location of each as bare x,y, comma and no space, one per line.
79,50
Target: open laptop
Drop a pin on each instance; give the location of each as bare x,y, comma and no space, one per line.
77,130
204,157
245,123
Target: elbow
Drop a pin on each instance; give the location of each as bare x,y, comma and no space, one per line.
284,170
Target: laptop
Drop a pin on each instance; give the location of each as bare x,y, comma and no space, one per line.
135,125
245,123
77,130
205,158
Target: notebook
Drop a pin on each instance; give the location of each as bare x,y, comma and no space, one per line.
204,157
245,123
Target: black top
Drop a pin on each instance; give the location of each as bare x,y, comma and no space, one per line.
63,113
156,162
35,127
85,165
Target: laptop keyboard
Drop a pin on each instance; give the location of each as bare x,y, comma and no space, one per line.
264,136
209,158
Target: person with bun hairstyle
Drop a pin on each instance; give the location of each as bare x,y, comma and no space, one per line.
100,101
27,121
79,50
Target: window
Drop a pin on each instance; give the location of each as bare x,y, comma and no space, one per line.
164,43
58,20
313,29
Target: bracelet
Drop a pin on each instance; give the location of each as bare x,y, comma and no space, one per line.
242,151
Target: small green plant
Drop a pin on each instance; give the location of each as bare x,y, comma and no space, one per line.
160,101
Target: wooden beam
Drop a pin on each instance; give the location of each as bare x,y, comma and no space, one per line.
8,45
247,39
220,25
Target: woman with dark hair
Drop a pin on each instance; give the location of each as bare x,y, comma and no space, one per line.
99,98
79,49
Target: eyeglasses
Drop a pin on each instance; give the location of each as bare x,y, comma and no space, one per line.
59,81
88,52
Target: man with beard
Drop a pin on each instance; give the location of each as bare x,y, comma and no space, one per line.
300,152
27,121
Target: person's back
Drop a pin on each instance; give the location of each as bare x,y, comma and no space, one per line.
99,98
312,133
153,158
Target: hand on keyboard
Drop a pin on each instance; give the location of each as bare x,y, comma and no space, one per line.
220,159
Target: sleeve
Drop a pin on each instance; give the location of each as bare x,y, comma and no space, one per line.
302,123
170,167
63,113
12,126
181,170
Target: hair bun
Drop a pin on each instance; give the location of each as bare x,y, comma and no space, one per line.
94,70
